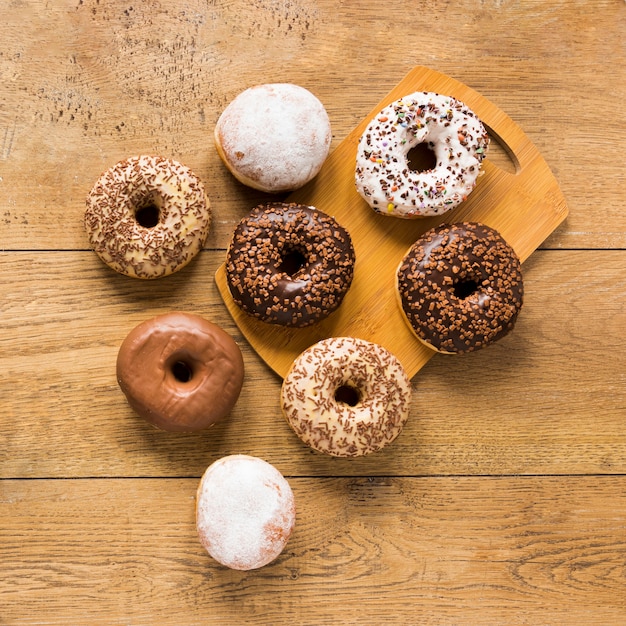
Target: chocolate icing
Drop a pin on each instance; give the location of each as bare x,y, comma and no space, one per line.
461,287
180,372
289,264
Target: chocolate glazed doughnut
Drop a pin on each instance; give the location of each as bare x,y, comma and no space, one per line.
460,287
180,372
289,264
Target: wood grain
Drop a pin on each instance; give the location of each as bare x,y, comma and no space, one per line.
521,406
86,84
411,551
502,502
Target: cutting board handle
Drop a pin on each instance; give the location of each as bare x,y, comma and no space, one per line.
500,126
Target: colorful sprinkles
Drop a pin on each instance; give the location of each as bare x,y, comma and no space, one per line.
448,127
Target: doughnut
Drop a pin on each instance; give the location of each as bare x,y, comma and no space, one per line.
346,397
460,287
384,176
180,372
245,512
147,216
289,264
274,137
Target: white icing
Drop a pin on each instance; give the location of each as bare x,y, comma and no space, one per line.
125,245
329,425
383,176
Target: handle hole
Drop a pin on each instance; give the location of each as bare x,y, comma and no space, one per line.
500,154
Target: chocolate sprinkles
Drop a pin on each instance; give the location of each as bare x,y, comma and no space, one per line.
460,287
174,231
289,264
346,397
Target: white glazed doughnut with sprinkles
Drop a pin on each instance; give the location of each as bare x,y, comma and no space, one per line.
346,397
458,139
147,216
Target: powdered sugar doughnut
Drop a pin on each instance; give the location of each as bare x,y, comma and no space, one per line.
147,216
245,512
448,127
346,397
274,137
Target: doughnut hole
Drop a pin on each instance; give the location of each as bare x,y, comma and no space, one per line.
148,211
292,260
182,371
181,368
347,394
421,158
464,287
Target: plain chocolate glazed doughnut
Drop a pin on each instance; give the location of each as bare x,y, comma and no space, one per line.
289,264
180,372
460,287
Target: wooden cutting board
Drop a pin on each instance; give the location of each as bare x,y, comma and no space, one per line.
525,207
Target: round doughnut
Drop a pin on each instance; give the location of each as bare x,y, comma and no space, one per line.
384,176
180,372
346,397
289,264
274,137
460,287
147,216
245,512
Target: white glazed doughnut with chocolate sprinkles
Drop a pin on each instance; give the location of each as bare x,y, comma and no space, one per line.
456,137
346,397
460,287
147,216
245,512
289,264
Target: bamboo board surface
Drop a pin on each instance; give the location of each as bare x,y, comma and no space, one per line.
524,206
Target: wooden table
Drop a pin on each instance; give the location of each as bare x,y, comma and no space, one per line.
504,499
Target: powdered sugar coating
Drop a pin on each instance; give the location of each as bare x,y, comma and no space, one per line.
457,137
274,137
311,397
245,512
133,249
